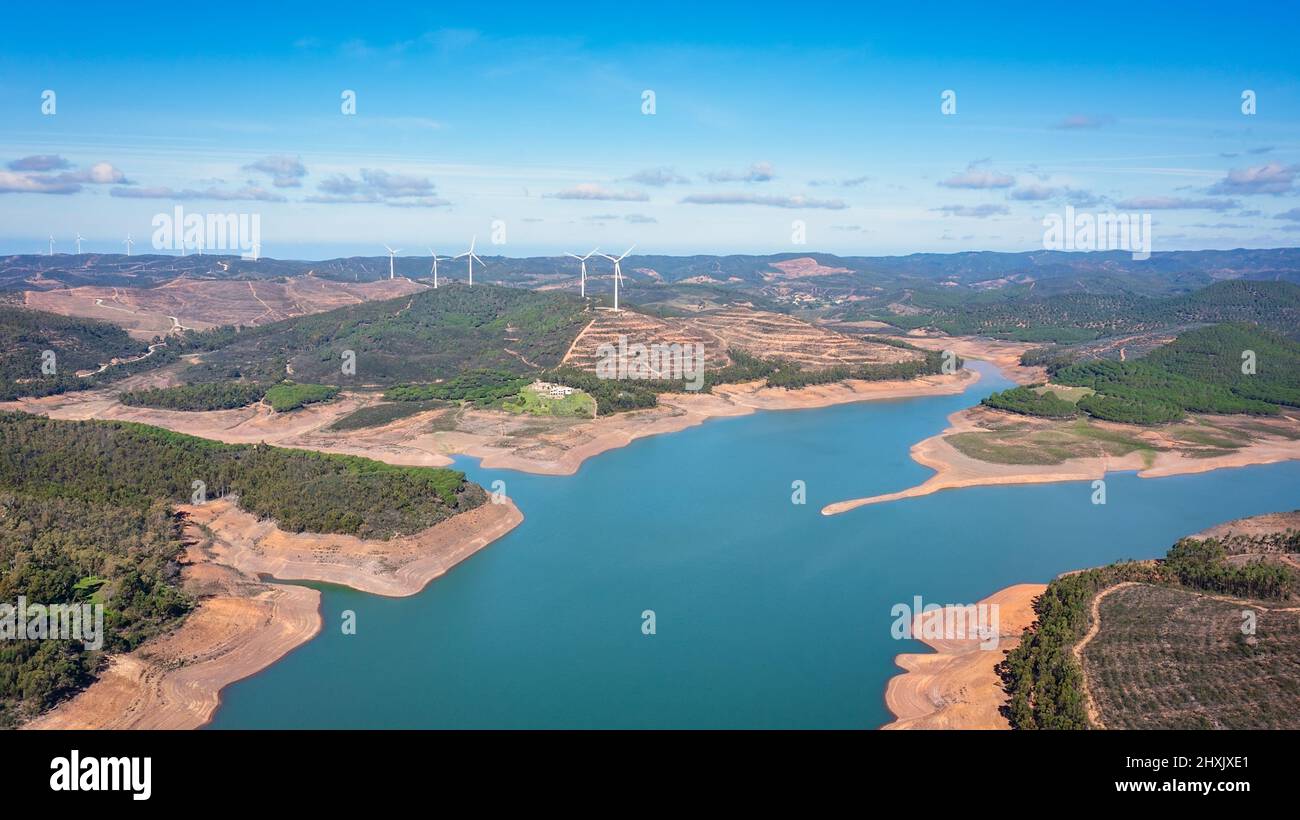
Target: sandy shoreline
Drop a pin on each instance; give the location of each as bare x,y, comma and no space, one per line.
398,567
501,440
1003,355
563,455
956,687
954,469
241,625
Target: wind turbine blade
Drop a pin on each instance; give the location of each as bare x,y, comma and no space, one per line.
480,261
472,240
575,256
625,253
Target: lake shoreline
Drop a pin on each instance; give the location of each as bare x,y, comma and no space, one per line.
956,470
955,686
243,625
499,440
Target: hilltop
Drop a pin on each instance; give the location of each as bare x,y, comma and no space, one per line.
424,337
43,353
1201,371
87,514
1166,644
908,291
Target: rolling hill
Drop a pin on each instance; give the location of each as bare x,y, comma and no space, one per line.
425,337
1201,371
83,353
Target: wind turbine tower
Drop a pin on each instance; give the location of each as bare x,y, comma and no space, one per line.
618,273
583,261
436,258
470,256
391,253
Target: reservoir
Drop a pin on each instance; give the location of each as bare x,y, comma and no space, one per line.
766,613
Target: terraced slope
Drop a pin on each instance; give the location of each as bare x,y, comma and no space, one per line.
756,332
778,336
607,327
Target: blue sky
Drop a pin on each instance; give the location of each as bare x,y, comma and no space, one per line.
764,114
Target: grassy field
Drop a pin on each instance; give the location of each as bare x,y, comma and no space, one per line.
1049,444
286,397
1070,394
378,415
1053,441
577,405
1176,659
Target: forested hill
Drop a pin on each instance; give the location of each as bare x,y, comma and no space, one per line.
125,463
1077,317
76,345
1113,271
432,335
1046,683
1230,368
85,516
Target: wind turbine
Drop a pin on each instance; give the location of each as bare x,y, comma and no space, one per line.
128,242
618,272
391,253
79,238
435,256
470,257
51,244
583,261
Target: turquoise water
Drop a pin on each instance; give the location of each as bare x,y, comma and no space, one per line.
768,614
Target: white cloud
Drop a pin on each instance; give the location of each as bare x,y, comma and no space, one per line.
771,201
377,186
285,171
1273,178
977,211
1175,203
758,172
658,177
251,193
592,191
978,178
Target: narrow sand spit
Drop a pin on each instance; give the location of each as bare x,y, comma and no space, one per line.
956,687
243,625
954,469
